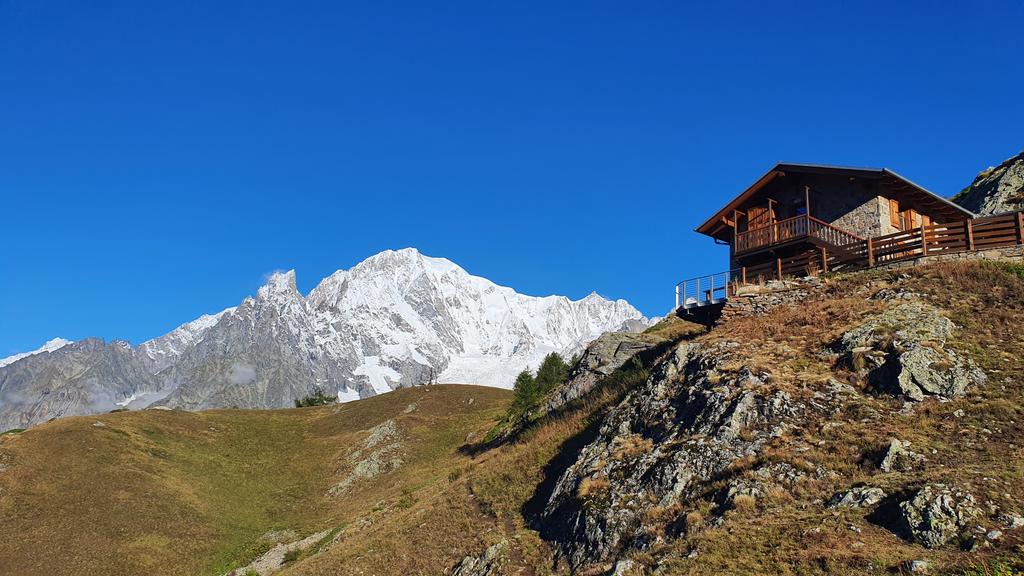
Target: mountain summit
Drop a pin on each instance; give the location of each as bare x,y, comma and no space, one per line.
396,319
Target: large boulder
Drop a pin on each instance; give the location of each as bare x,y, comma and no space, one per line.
936,514
859,497
600,358
996,190
903,351
899,458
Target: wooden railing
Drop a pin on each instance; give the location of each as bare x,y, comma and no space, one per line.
986,233
999,231
802,226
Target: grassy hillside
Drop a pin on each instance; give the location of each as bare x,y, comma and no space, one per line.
164,492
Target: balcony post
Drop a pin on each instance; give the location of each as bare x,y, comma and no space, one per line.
924,241
871,254
1020,227
778,268
969,226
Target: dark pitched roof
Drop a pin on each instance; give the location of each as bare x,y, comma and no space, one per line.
889,177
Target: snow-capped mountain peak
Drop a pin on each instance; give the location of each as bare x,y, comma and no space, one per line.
49,346
278,284
397,318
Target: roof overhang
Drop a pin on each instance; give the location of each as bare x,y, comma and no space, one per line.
722,220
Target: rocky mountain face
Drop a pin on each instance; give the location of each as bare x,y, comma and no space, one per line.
396,319
83,377
764,413
996,190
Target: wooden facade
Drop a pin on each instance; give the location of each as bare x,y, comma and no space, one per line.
802,219
798,208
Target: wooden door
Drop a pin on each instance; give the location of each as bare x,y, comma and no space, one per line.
758,217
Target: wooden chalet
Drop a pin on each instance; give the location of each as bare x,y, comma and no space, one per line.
800,219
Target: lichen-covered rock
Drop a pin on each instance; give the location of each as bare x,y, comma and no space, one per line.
486,564
899,458
936,513
600,358
903,351
627,568
860,497
664,443
996,190
379,453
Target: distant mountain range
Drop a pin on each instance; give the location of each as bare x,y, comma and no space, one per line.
396,319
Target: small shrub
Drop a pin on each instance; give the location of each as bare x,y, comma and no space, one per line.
317,399
591,488
627,447
744,503
694,522
292,555
407,500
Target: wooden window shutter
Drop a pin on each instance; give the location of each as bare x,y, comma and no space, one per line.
894,212
908,219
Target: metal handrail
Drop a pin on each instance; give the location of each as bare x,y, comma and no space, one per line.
704,290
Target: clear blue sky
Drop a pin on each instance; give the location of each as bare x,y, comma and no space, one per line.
157,160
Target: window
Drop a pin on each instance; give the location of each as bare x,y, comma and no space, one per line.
894,213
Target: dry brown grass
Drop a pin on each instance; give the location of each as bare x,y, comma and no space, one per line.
744,503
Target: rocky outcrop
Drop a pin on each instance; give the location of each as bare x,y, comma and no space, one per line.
903,351
859,497
379,453
936,514
275,558
899,458
996,190
600,358
487,564
663,444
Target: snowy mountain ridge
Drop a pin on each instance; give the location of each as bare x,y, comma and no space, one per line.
396,319
49,346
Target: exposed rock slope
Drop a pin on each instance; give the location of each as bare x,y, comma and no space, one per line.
776,413
996,190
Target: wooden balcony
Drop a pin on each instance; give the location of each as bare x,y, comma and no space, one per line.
791,230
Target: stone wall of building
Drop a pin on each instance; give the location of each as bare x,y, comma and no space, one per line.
755,300
1009,254
871,218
